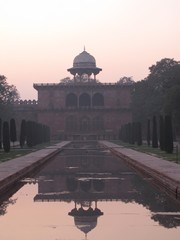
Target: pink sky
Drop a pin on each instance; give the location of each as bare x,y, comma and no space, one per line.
40,38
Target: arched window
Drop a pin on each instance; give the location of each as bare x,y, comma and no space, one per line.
85,124
97,123
98,99
84,100
71,123
71,100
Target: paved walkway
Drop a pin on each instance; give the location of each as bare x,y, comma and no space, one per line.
166,174
13,170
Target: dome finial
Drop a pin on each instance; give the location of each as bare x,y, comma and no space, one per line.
84,48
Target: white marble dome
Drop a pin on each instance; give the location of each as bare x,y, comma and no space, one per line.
84,60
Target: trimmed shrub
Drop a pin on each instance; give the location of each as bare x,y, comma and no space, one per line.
0,133
154,133
6,136
168,134
29,130
139,134
13,136
161,132
22,133
148,132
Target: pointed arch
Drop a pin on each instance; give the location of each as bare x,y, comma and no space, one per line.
84,100
98,99
71,100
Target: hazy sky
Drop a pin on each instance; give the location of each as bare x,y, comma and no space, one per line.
40,38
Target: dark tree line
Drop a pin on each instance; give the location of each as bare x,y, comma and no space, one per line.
162,134
157,135
8,94
168,134
131,133
154,133
34,133
31,134
159,92
7,134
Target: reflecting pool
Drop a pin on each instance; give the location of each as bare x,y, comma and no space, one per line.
86,193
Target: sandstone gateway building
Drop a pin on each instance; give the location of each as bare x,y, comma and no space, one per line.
82,108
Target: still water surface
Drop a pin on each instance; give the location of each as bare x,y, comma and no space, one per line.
88,194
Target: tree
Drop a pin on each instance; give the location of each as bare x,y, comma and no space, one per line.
143,101
0,133
134,137
8,93
30,133
162,67
13,136
148,132
66,80
139,134
172,106
159,92
22,133
125,81
168,134
124,133
161,132
154,133
6,137
172,100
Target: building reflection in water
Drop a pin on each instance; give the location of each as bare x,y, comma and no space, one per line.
88,177
85,216
84,179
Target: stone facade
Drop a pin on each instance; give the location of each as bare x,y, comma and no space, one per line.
82,108
79,111
83,111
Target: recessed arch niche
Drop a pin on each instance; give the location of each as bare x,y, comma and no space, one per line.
71,100
84,100
98,99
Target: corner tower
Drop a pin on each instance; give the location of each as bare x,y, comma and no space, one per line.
84,65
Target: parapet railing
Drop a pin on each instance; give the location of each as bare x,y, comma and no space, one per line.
25,102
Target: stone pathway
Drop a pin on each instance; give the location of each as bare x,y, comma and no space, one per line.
13,170
166,173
